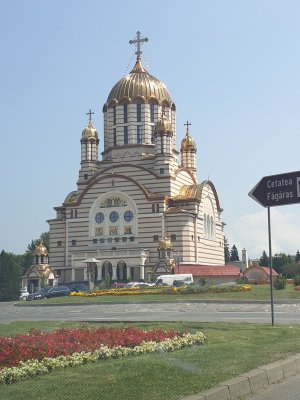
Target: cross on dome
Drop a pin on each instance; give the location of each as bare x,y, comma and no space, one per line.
187,126
138,41
90,113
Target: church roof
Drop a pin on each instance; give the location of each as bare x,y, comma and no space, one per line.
163,125
40,250
90,132
139,84
165,243
191,192
188,143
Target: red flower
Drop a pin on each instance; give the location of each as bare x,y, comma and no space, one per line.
37,344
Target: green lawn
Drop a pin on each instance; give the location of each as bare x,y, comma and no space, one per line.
231,350
258,292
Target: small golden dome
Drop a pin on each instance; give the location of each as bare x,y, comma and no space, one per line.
163,125
40,250
90,132
165,243
188,143
139,83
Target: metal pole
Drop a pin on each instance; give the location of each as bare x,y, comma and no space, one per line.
271,266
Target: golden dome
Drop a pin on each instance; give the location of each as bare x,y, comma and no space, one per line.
165,243
90,132
188,143
139,83
163,125
40,250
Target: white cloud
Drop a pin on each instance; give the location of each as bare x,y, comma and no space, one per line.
250,231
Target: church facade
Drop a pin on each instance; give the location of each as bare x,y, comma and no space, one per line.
139,211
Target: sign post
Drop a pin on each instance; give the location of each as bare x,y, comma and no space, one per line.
272,191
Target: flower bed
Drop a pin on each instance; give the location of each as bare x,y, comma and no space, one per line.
37,344
38,353
190,289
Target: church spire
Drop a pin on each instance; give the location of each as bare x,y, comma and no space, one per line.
89,141
188,150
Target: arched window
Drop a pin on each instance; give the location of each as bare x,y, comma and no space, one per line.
125,112
209,220
138,111
151,112
125,134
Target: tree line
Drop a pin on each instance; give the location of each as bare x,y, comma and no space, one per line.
284,264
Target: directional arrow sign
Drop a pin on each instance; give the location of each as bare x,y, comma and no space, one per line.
277,190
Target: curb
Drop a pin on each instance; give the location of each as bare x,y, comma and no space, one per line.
34,303
251,382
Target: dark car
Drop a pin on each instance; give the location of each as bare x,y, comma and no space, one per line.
49,292
78,287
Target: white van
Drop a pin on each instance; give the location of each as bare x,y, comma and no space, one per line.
169,279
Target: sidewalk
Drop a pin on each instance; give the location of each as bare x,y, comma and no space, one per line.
255,381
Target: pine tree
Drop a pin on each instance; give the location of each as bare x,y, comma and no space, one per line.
297,257
234,255
226,251
264,260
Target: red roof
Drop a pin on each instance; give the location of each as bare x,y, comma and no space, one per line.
265,269
209,270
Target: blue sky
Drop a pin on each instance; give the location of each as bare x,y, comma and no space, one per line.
231,67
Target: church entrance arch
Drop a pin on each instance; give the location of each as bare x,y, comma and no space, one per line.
121,271
106,269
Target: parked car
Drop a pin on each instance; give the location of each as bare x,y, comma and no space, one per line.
49,292
116,285
24,294
78,287
139,285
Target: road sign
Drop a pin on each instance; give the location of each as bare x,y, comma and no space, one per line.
277,190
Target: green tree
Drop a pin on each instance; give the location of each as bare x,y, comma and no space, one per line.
10,276
279,282
279,262
234,255
264,260
226,251
297,257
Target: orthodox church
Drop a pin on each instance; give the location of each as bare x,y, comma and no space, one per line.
139,211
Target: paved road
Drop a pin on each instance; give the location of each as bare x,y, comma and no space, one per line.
196,312
289,389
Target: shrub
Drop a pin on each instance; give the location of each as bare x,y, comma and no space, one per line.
279,282
297,280
202,281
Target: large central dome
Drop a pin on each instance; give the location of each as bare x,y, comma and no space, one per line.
139,84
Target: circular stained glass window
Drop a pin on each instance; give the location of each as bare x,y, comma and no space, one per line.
114,216
99,218
128,216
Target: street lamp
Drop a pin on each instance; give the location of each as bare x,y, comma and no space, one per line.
91,265
178,259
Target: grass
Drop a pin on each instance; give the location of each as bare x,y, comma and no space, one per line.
258,292
232,349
